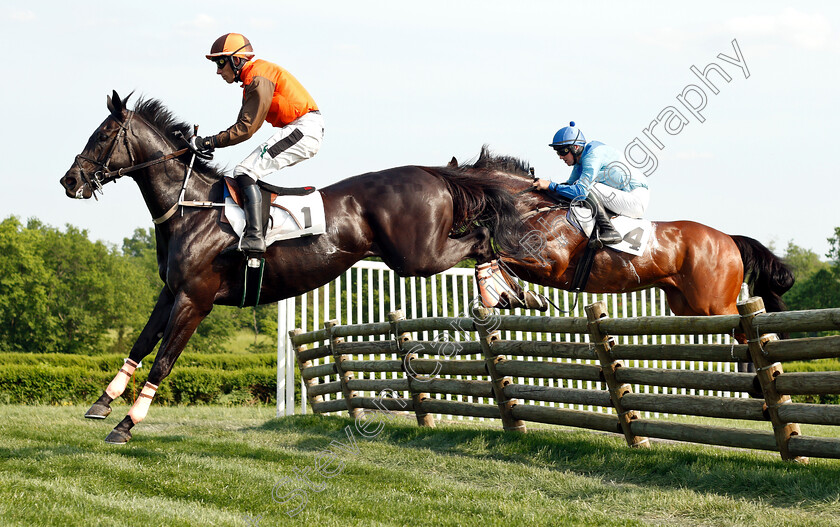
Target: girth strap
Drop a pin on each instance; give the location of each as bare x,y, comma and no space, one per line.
188,203
251,287
584,268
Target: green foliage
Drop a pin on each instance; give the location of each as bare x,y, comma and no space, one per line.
63,293
803,262
817,283
814,366
107,363
819,291
834,249
111,362
26,285
39,383
49,384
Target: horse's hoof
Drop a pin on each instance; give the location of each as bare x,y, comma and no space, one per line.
535,301
507,301
98,411
118,437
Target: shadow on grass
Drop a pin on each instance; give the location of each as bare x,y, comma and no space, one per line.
752,475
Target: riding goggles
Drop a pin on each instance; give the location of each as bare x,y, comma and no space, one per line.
563,150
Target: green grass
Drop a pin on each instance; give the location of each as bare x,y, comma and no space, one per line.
218,466
243,341
813,365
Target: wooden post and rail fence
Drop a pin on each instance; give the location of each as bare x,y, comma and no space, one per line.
357,376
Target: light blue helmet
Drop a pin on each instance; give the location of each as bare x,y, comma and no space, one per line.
567,136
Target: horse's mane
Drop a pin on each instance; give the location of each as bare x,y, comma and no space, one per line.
489,162
509,172
157,115
493,190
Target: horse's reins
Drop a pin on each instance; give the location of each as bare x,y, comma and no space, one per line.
106,175
101,177
540,210
543,210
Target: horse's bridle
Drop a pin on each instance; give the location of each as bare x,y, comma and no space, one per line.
104,174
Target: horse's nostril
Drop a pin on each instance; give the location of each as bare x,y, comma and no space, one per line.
70,182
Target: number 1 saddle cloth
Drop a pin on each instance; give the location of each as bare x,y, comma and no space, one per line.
291,216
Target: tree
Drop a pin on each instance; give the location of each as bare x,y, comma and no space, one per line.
834,251
803,262
817,283
819,291
63,293
25,285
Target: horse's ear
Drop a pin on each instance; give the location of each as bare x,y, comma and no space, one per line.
453,163
115,104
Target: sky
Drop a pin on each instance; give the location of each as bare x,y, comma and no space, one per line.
416,83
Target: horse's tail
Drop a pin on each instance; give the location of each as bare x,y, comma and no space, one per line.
764,272
481,201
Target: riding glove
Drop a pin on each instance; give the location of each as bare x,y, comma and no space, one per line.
202,144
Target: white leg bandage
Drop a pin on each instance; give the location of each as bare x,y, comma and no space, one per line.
492,284
117,386
141,405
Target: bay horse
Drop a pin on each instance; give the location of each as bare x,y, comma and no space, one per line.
419,220
699,268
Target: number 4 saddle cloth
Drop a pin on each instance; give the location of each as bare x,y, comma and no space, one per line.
636,233
290,216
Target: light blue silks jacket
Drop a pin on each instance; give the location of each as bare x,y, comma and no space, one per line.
598,164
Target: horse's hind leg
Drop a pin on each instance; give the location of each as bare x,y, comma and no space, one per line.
185,316
149,337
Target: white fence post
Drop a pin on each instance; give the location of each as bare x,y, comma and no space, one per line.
416,299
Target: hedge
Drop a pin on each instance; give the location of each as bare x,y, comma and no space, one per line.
38,383
111,362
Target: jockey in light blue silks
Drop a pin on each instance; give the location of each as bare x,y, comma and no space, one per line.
600,178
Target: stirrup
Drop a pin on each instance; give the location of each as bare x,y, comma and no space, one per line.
245,246
598,242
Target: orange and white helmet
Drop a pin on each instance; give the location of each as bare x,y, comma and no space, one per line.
231,45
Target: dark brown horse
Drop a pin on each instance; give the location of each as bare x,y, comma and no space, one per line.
406,216
699,268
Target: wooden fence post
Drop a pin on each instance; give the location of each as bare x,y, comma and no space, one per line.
767,372
603,346
414,385
491,359
302,366
343,375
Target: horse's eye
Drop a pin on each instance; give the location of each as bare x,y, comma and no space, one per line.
103,136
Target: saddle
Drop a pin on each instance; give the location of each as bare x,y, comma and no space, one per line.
269,195
268,191
636,234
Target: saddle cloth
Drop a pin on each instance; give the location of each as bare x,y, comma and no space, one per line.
290,216
636,233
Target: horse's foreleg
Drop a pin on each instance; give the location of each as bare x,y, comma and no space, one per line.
149,337
183,321
498,289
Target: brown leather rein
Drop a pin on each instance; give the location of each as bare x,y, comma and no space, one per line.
106,175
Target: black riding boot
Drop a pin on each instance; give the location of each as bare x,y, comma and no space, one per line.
252,239
606,234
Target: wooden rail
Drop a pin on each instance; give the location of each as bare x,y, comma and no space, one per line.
478,375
